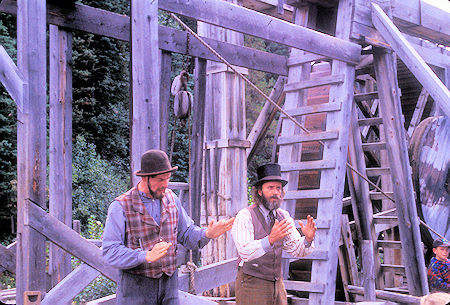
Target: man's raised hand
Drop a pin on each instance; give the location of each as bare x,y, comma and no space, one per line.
280,230
309,230
215,229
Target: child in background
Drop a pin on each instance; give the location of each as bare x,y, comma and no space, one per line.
439,269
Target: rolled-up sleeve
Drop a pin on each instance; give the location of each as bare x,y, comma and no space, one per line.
115,253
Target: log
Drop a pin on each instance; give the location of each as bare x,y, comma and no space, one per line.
389,296
11,78
8,257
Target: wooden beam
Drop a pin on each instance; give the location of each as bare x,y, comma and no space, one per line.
184,297
70,286
368,267
60,150
104,23
66,238
145,133
11,78
225,14
401,172
411,58
31,144
389,296
265,118
417,115
8,257
165,82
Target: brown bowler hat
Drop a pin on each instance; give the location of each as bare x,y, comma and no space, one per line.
269,172
155,162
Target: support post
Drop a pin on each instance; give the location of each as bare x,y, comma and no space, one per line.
60,152
166,64
31,143
401,172
368,267
145,88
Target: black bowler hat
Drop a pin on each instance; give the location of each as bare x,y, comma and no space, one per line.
155,162
269,172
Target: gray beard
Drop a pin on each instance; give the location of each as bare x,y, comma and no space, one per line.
270,205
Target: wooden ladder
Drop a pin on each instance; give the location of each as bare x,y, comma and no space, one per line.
322,152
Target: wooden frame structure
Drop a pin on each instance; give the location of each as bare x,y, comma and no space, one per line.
359,23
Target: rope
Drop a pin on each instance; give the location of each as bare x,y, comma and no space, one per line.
282,110
190,268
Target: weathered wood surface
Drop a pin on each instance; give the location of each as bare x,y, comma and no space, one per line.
390,296
401,172
417,115
11,78
145,133
225,14
31,143
104,23
60,150
265,117
8,257
69,240
368,267
311,83
416,18
184,297
165,82
411,58
69,287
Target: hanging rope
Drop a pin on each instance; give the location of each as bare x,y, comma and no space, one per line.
281,109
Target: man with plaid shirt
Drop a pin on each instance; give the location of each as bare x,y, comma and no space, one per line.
439,269
141,234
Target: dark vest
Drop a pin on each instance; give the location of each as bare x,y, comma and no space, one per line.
141,229
268,266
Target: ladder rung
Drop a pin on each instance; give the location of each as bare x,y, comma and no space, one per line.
304,286
385,220
394,244
370,121
395,268
316,136
378,171
380,196
307,165
309,194
311,83
373,146
403,290
366,96
317,255
319,108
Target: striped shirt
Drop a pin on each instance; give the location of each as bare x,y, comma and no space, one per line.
250,249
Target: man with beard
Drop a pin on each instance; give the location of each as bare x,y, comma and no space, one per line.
260,233
141,234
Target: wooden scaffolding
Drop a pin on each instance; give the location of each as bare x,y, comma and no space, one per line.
339,82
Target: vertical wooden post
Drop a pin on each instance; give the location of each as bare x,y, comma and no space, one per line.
145,133
368,267
196,161
225,136
401,172
60,152
31,144
166,64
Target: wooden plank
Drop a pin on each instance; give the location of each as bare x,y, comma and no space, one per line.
411,58
104,23
390,296
385,219
392,244
304,286
401,172
315,255
145,133
308,165
312,83
316,136
60,151
378,171
311,109
308,194
225,14
69,240
368,269
165,82
70,286
184,297
265,117
303,59
11,78
8,257
418,111
374,146
359,97
347,239
31,144
210,276
370,121
395,268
